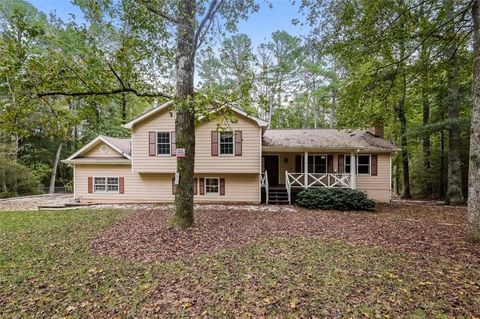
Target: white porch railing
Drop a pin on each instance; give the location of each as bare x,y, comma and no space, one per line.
330,180
264,183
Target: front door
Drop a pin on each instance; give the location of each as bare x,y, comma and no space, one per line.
270,164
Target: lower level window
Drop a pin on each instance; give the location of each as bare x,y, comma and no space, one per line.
212,186
106,184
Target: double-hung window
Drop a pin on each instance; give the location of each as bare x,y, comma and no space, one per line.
212,186
226,144
363,164
163,143
347,164
316,164
106,184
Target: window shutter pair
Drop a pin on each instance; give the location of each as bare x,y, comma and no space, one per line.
121,185
373,164
174,187
215,141
152,144
202,186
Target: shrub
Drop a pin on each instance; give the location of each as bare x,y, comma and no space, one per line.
334,198
17,179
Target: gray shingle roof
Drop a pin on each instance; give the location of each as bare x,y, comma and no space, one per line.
122,143
325,139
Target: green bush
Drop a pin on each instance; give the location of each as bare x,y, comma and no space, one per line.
334,198
17,179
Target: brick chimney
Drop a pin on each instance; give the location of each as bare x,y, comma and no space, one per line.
377,130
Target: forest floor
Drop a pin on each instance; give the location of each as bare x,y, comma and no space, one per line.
400,261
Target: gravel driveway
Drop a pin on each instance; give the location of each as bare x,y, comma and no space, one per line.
25,203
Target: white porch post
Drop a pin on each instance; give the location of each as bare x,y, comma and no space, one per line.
353,171
305,168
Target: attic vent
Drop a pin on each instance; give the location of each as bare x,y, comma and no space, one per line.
104,149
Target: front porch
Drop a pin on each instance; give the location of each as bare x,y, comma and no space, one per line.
294,171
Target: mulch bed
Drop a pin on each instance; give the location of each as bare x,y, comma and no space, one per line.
148,236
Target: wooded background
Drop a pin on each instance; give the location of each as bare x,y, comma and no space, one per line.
406,65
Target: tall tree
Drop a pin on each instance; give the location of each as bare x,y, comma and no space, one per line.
156,23
474,173
454,194
278,60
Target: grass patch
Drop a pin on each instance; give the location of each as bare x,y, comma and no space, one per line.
48,270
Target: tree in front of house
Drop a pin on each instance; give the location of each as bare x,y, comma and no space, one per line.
157,35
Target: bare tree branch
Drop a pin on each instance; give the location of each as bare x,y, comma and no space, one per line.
148,4
206,21
116,75
104,93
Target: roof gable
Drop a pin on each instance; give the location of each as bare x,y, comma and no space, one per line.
121,146
168,104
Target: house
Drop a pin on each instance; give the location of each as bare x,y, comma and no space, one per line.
237,159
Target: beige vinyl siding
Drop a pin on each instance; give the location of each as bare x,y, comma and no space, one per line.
238,188
376,187
249,162
97,152
158,187
142,162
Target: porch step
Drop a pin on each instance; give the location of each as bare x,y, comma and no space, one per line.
278,196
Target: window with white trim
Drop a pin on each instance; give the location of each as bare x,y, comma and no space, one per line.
212,186
363,164
106,184
316,164
163,143
226,144
347,163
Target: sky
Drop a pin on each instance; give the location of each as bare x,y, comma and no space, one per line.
259,26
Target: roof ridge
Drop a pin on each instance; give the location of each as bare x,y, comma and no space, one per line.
312,129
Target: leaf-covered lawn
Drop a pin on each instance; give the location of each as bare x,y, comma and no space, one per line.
47,269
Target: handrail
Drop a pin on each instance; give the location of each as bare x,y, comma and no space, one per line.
329,180
288,187
264,183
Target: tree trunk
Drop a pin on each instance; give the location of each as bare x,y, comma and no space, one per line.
334,109
185,115
4,181
400,109
426,147
53,178
443,181
454,185
426,144
474,172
